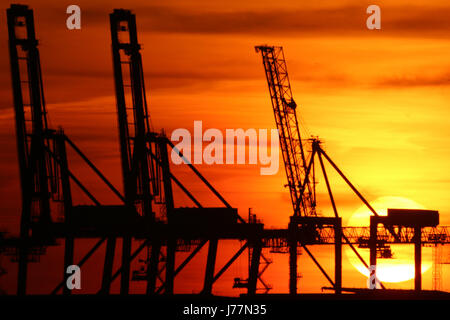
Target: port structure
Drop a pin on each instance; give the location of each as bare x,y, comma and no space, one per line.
47,208
144,154
300,170
46,179
146,211
305,226
401,218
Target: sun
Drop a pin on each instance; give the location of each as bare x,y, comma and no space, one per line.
401,267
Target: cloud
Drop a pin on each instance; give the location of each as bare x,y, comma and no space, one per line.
413,20
416,19
416,81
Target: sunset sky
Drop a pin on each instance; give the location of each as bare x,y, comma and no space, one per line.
378,99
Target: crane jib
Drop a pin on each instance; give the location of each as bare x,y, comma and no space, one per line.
301,185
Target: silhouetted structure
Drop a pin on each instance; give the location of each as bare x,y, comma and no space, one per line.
146,212
305,227
146,174
400,218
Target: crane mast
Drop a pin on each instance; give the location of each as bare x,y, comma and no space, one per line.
301,185
134,127
41,151
30,115
140,147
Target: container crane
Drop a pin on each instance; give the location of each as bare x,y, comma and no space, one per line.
47,209
139,171
42,178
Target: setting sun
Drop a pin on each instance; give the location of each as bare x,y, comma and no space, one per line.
401,266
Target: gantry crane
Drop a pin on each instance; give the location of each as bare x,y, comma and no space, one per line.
47,209
42,178
46,179
140,173
146,172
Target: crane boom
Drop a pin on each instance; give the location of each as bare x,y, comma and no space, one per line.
292,147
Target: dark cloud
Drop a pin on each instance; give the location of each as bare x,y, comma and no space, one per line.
350,19
396,20
93,69
174,20
416,81
416,19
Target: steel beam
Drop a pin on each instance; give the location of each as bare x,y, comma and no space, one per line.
108,265
292,243
254,267
417,259
170,266
125,273
210,266
338,256
152,267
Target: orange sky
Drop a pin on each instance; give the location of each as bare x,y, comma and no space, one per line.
378,99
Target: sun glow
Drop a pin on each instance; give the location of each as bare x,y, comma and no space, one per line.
401,266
